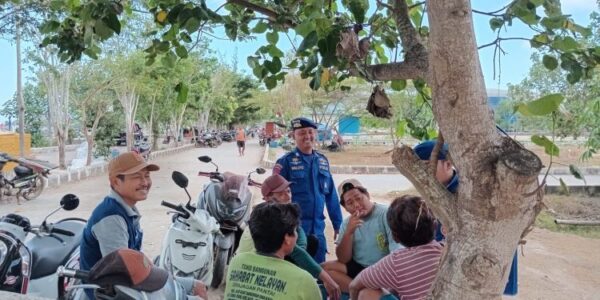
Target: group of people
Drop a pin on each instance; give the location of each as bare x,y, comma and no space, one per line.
382,252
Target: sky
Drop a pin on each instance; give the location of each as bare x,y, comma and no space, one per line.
514,67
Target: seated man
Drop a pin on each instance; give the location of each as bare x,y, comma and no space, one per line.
409,272
265,274
275,189
364,238
115,222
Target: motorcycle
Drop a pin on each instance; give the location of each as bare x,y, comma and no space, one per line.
227,198
172,290
207,140
30,266
141,146
28,181
187,247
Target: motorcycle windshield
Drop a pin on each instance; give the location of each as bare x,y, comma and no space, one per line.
236,186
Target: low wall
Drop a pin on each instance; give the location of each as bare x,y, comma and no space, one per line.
61,177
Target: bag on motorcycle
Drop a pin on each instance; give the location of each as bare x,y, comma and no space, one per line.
129,268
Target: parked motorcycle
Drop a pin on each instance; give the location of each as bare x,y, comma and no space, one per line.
172,290
29,266
207,140
142,147
28,181
227,198
187,247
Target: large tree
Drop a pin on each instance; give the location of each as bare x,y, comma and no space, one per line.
432,43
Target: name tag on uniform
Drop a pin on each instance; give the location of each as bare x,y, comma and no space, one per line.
295,168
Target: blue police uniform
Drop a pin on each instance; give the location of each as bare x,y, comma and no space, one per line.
312,189
424,150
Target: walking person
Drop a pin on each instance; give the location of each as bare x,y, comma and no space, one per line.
240,138
313,187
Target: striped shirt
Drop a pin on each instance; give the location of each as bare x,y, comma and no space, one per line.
408,272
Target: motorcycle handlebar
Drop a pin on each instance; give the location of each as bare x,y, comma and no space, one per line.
62,231
177,208
212,175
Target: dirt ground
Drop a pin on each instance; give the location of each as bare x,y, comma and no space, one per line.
376,155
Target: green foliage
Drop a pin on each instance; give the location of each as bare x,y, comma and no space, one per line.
546,220
549,147
112,124
36,107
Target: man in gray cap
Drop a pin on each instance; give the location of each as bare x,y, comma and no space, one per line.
313,186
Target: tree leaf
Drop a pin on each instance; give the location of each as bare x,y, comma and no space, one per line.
49,26
550,62
545,105
270,82
309,41
496,23
564,188
113,23
358,8
182,92
169,59
260,27
400,128
576,172
102,30
181,51
398,85
549,147
565,44
273,37
192,24
293,64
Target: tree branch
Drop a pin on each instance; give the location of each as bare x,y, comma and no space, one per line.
416,53
262,10
443,203
499,39
391,71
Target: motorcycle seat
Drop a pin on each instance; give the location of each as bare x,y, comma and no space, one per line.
22,171
48,253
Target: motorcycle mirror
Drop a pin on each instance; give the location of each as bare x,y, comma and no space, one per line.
260,171
180,179
205,159
69,202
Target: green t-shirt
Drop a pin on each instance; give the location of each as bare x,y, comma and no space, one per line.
254,276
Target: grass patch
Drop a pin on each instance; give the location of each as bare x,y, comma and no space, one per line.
546,220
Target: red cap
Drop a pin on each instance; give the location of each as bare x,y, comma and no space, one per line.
273,184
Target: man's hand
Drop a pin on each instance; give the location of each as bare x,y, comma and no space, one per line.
354,222
335,234
200,289
333,289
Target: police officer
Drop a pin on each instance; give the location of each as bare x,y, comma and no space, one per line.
313,186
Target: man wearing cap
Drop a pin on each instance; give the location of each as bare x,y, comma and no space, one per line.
313,187
447,175
276,189
365,236
115,222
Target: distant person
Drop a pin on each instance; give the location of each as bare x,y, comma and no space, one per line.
265,274
240,137
313,187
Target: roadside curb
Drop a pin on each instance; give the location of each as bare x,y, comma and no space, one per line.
382,169
387,170
68,176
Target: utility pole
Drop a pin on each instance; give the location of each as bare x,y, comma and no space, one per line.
20,104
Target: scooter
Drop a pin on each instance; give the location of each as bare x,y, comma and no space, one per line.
172,290
29,267
28,181
227,198
141,146
187,247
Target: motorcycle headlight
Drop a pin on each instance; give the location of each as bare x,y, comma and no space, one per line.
3,251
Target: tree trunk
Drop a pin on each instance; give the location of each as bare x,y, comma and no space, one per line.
20,104
129,100
61,139
498,197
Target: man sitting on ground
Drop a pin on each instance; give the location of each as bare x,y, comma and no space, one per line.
265,274
364,238
409,272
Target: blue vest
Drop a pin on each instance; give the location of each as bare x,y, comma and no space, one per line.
90,248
